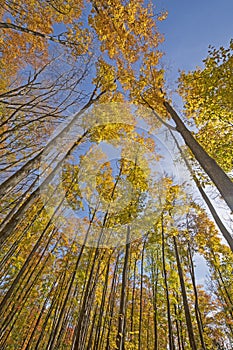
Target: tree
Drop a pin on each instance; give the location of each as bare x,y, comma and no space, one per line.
226,234
214,171
207,97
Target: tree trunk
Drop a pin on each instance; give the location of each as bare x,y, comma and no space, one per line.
133,302
169,319
111,301
101,309
185,299
212,169
177,328
122,311
141,299
197,310
226,234
155,274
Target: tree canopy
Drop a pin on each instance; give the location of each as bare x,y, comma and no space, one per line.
99,235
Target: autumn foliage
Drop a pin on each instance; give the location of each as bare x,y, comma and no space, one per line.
107,257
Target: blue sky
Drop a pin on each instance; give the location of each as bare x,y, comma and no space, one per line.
191,26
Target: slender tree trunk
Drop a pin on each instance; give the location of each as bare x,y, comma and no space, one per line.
155,274
122,311
226,234
185,299
141,299
101,310
90,340
111,303
179,311
169,319
197,310
212,169
148,331
132,302
177,327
